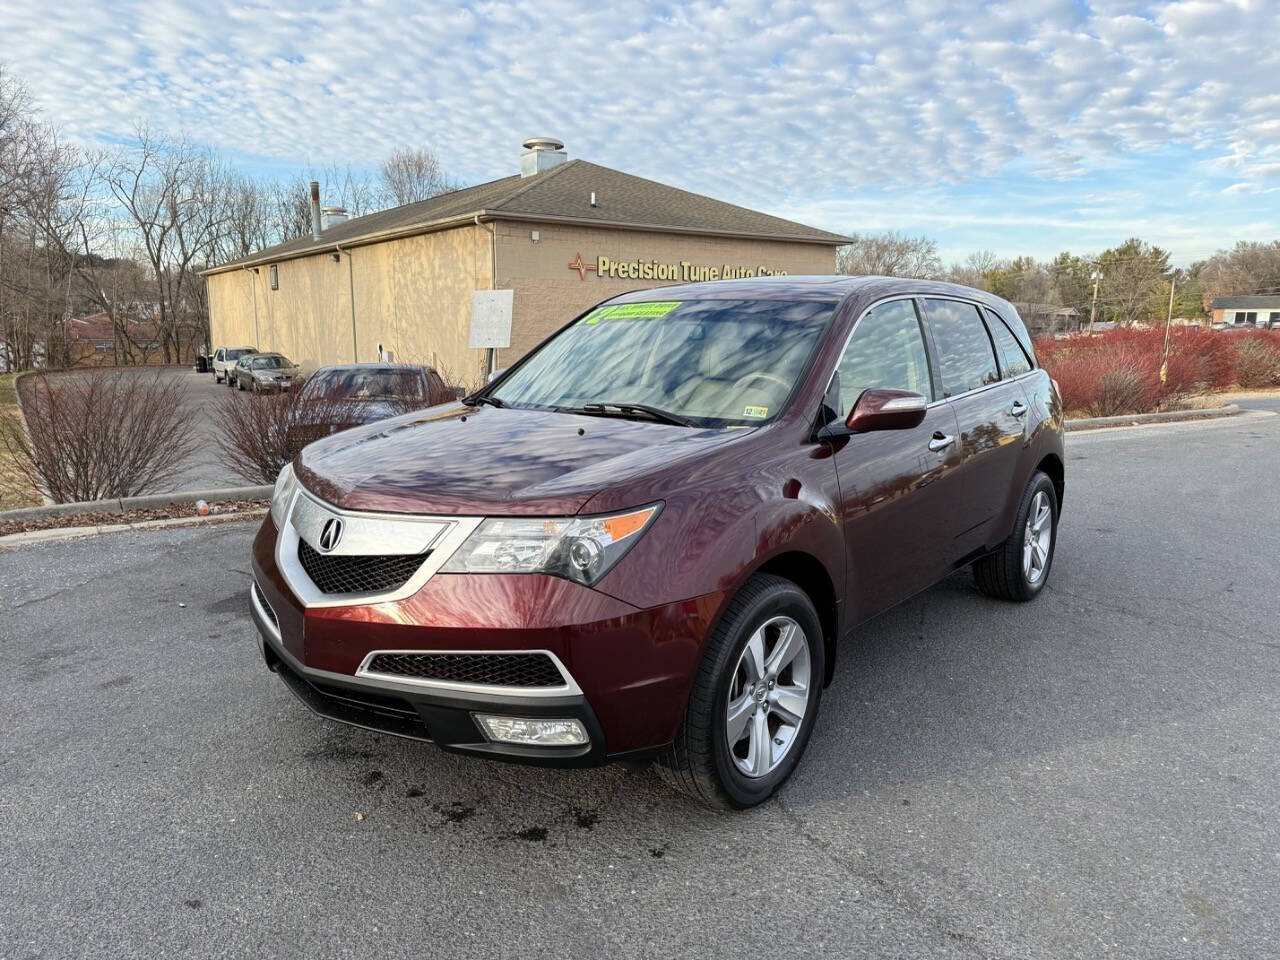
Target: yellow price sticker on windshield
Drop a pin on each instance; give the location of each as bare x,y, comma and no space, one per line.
757,412
630,311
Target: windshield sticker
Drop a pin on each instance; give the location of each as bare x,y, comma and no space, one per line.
758,412
630,311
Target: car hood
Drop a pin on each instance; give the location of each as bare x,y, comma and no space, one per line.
454,459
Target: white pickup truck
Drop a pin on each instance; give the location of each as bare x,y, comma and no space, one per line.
224,358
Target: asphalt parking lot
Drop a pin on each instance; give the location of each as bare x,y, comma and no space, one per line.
1096,774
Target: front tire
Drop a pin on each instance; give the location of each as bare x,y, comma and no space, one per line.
1019,567
754,700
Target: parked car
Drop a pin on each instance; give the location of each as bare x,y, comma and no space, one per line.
264,372
224,358
646,537
340,397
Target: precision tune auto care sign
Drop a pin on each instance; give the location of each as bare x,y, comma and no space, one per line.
681,270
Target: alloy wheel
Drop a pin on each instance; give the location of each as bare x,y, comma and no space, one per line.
768,697
1037,538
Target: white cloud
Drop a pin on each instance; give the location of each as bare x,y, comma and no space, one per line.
787,102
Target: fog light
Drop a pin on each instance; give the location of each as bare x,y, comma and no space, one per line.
540,733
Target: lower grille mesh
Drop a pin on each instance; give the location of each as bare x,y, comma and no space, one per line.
266,606
496,669
357,574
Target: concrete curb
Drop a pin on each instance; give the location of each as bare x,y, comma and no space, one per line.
72,533
148,502
1172,416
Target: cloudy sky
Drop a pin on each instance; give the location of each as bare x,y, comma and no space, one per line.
1023,127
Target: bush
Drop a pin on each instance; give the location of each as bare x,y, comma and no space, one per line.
98,435
1119,370
260,433
1257,362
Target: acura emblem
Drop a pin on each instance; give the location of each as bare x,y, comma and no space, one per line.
330,534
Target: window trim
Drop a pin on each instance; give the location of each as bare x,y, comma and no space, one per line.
1018,343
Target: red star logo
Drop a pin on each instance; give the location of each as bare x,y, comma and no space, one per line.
578,264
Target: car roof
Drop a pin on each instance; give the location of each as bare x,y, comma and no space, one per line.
830,289
373,366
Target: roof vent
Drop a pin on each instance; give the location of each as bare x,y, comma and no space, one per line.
541,153
332,216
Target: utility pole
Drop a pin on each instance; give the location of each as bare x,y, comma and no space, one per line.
1093,308
1168,326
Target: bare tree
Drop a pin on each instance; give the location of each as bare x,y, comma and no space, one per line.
890,254
973,271
1247,268
411,174
172,193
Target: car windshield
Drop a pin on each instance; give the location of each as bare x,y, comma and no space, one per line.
366,384
710,362
237,354
270,362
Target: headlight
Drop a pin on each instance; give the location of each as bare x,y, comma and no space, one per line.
582,549
286,484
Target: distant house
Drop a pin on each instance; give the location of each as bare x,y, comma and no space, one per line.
1048,318
1239,311
94,341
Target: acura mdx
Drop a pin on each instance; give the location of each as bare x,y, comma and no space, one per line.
646,538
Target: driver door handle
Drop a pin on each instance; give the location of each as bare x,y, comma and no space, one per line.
941,441
1018,408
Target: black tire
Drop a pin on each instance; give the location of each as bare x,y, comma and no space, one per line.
1000,574
698,763
240,384
216,378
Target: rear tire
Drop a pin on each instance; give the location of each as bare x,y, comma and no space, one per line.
765,699
1019,567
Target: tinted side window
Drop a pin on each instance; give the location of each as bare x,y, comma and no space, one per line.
887,351
964,349
1014,323
1013,361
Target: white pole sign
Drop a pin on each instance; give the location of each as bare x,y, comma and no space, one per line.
491,318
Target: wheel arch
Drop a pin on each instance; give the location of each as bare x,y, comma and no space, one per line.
808,573
1051,465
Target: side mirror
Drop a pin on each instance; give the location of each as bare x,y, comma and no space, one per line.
878,409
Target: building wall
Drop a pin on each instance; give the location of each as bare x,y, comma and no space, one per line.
548,293
412,296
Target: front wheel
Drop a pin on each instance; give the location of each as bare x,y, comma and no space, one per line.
754,700
1019,567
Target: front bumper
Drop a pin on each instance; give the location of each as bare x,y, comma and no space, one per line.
441,716
630,670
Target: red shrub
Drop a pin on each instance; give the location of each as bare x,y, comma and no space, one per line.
1119,369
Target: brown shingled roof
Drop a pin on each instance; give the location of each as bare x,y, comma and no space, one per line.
562,193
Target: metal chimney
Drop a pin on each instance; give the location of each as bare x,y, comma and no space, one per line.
315,210
541,153
332,216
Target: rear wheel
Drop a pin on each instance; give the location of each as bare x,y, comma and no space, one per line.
1019,568
754,700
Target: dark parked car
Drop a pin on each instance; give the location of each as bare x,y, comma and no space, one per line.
340,397
264,372
646,537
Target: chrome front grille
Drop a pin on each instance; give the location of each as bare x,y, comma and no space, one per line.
366,557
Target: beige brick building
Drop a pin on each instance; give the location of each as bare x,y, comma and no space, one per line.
563,235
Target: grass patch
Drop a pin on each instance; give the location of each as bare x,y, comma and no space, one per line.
15,491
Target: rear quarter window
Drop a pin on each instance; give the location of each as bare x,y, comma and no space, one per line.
1013,359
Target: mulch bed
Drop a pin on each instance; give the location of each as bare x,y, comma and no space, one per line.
129,516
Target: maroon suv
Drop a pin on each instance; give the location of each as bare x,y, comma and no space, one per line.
647,536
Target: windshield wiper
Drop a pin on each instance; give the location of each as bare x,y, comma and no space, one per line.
476,399
631,409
